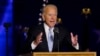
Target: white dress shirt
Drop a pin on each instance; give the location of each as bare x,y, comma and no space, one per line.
46,27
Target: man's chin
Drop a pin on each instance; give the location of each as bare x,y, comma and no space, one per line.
51,25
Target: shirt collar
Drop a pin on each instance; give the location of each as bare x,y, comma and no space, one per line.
47,27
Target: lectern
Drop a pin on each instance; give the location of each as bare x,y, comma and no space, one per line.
64,54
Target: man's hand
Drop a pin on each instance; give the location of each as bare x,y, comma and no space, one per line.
74,39
38,39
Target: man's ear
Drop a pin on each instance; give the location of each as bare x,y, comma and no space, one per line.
43,17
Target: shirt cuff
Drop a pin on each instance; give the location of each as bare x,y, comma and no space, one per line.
33,46
77,46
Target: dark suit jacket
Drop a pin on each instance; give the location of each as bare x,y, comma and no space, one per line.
62,41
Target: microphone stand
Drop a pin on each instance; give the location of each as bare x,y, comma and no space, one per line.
6,25
57,34
56,30
58,41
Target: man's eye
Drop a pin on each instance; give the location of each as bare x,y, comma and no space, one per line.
50,15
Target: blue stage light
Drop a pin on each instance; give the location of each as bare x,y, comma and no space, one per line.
6,16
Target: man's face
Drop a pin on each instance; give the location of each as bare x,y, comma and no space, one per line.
50,16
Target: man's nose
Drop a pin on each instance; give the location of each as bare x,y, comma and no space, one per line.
52,18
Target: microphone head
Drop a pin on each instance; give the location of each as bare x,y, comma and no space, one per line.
6,24
56,30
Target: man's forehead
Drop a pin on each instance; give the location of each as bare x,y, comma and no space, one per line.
49,7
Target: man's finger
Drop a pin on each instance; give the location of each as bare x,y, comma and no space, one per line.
40,41
76,36
41,34
71,34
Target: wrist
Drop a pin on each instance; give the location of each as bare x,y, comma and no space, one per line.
75,44
35,43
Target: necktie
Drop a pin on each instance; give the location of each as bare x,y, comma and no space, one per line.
50,40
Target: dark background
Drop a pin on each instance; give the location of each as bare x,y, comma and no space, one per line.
26,14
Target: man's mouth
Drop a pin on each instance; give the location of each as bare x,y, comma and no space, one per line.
52,21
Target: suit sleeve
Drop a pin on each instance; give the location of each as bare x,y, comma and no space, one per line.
67,41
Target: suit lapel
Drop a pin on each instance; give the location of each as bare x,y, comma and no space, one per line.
55,43
44,39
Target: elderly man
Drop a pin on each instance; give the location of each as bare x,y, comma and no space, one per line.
48,38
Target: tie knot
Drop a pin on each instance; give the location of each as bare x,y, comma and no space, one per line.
50,29
51,32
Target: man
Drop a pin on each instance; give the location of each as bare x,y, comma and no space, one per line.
49,38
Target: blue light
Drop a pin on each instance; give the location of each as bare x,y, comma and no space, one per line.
6,16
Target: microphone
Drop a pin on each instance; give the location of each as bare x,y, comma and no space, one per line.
7,25
56,30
